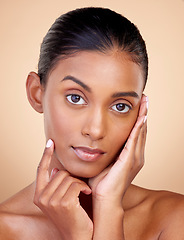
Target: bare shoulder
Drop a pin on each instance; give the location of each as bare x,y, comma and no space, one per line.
154,214
5,231
168,209
20,219
170,202
8,221
16,214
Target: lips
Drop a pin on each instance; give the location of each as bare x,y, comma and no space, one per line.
88,154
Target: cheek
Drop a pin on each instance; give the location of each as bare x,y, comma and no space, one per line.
122,131
58,125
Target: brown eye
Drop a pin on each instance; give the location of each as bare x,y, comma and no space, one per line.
75,99
121,108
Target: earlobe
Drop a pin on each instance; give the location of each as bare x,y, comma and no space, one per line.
34,91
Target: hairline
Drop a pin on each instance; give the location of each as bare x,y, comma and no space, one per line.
109,50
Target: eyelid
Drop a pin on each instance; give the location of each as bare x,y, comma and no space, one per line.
124,101
75,91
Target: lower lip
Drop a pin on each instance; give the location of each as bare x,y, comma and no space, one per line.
86,156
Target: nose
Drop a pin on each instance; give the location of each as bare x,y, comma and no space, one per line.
95,125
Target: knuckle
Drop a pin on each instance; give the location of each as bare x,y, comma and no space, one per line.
135,139
140,164
53,204
75,184
35,200
42,201
65,205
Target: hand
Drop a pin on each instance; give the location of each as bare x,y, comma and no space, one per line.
112,183
58,198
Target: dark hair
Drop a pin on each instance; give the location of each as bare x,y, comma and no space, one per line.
96,29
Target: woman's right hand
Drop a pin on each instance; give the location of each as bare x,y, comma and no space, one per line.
58,198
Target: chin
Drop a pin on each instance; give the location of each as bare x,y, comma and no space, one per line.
84,173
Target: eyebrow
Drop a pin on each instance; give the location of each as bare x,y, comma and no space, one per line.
125,94
74,79
87,88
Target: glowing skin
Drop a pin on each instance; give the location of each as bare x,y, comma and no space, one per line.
90,104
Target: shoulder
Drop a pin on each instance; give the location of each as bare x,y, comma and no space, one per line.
167,212
9,219
159,212
16,215
159,203
8,226
168,208
18,224
165,203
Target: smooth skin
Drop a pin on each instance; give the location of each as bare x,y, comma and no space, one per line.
92,100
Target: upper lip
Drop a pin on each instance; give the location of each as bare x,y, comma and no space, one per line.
90,150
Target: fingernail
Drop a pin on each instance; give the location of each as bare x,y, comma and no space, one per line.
49,143
145,118
53,172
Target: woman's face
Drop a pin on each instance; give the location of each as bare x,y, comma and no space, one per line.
90,104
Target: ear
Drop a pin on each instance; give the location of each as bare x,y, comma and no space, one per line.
34,91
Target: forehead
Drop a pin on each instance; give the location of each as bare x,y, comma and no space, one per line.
114,69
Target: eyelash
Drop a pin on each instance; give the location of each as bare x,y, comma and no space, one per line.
79,98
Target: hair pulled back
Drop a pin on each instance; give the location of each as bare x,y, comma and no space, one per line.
91,29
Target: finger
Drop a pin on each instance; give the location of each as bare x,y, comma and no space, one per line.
42,178
141,141
66,188
139,151
142,138
140,147
50,189
73,192
143,106
61,186
67,182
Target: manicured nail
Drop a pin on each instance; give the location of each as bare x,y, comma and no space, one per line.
49,143
145,118
53,172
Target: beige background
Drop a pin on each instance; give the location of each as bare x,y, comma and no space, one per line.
22,27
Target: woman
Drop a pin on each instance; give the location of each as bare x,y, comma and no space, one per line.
91,76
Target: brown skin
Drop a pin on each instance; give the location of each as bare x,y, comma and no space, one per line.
50,207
